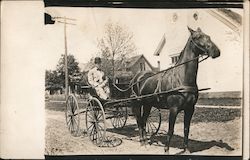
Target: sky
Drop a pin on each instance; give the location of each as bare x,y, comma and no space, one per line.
147,27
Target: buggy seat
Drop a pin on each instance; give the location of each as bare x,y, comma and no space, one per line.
88,89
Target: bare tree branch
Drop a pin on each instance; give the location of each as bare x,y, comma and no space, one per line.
117,43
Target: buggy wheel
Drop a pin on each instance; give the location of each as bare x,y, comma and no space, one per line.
153,122
72,115
95,121
119,117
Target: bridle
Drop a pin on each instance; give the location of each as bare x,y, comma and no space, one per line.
198,46
170,68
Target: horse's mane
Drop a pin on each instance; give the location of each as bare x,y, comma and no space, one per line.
182,52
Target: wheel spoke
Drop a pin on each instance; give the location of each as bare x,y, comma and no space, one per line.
99,116
150,129
95,121
152,126
100,127
119,122
116,121
92,129
99,132
93,135
69,125
68,120
91,125
119,117
72,114
69,110
75,124
90,116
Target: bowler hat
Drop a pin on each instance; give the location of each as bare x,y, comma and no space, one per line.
97,60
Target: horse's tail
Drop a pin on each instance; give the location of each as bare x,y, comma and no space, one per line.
138,80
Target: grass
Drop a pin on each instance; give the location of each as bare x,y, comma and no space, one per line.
208,115
220,101
203,100
55,106
200,114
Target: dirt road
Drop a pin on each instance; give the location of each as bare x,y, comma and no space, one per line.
206,138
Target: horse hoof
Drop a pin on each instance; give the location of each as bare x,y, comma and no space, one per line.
145,141
186,152
166,151
142,143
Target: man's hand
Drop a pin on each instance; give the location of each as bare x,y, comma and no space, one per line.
104,83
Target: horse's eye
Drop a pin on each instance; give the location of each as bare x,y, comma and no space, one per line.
208,45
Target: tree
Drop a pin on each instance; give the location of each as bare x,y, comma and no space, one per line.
116,44
55,79
52,81
73,69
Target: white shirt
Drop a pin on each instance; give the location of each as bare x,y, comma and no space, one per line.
95,77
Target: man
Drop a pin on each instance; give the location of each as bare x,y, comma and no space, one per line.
98,80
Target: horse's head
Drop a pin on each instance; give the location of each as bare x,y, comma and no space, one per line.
203,43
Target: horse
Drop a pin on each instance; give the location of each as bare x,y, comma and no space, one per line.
183,75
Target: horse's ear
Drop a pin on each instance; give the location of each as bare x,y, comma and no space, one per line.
190,30
198,29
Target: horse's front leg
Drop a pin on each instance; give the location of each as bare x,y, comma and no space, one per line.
172,119
188,113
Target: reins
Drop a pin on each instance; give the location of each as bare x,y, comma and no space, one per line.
165,70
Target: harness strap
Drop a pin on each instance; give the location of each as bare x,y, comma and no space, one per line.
202,49
158,87
138,84
165,70
184,88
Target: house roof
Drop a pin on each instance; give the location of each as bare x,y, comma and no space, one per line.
119,64
160,46
231,19
231,15
133,60
228,17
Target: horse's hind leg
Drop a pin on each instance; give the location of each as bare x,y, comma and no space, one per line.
146,112
172,119
137,113
188,113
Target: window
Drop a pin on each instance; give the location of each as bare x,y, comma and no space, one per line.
142,66
195,16
174,59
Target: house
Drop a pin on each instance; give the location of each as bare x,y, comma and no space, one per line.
224,74
125,70
131,66
137,64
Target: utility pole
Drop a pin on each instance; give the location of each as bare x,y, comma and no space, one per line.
65,50
66,62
